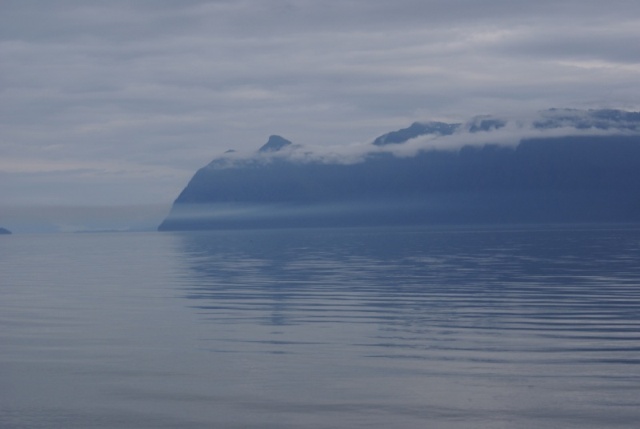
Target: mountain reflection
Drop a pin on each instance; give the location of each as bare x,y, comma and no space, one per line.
522,279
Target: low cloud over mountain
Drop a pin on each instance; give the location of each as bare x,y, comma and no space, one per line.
556,166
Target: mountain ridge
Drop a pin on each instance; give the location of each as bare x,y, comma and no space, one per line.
588,173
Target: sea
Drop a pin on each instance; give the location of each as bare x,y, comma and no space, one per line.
457,327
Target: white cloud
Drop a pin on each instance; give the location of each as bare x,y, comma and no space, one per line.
518,127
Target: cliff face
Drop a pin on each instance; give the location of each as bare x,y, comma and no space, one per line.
591,174
4,231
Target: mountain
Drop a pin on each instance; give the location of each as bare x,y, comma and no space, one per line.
274,144
559,166
4,231
416,129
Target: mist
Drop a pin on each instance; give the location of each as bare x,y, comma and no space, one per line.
74,219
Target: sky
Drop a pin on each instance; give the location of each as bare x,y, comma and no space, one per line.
109,107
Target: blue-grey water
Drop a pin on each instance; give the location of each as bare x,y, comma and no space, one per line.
376,328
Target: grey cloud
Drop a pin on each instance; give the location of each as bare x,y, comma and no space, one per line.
616,45
65,20
73,20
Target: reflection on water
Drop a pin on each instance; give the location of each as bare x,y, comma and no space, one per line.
378,328
532,325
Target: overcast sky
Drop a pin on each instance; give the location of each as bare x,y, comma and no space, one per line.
117,103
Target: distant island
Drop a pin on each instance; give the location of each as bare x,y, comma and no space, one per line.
560,166
4,231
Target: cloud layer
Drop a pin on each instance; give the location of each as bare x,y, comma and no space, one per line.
478,131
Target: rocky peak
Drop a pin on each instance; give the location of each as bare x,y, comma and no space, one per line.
274,144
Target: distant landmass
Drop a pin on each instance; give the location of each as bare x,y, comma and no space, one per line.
4,231
559,166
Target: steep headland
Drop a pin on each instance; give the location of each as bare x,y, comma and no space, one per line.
560,166
4,231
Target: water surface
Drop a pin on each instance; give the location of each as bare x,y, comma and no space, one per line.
377,328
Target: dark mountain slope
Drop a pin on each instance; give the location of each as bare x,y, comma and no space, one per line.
586,178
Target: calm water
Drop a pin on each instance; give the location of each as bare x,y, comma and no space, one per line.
345,328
